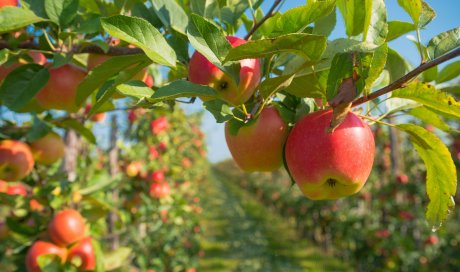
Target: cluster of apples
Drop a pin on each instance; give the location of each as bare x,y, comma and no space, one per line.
60,91
68,241
325,165
17,158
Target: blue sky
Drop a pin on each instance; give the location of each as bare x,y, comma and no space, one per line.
446,19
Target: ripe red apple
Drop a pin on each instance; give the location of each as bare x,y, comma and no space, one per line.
61,90
153,152
432,240
157,176
402,178
4,3
149,81
16,160
202,71
159,190
159,125
67,227
43,248
48,149
259,145
162,146
85,252
17,189
98,117
330,165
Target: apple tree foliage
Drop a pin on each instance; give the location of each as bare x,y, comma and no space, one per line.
300,63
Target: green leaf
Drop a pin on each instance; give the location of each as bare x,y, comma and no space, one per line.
375,23
116,258
413,8
451,71
377,65
103,72
296,20
308,46
37,6
140,10
12,18
325,25
109,87
427,15
311,85
183,88
79,128
341,68
427,95
208,39
443,43
429,117
441,182
39,129
430,74
22,84
455,89
209,8
171,15
396,65
354,13
219,109
272,85
49,262
142,34
135,88
4,55
398,28
61,12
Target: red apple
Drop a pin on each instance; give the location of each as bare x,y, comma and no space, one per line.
67,227
432,240
153,152
157,176
61,90
330,165
17,189
3,186
149,81
4,3
85,252
162,146
98,117
43,248
48,149
35,205
259,145
202,71
159,190
16,160
186,162
159,125
402,178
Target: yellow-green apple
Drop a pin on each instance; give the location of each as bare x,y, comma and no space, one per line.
258,146
48,149
4,3
202,71
66,227
84,251
330,165
134,168
16,160
43,248
61,90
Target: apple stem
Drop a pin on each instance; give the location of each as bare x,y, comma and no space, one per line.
404,79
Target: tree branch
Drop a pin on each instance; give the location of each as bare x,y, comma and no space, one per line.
258,24
404,79
113,50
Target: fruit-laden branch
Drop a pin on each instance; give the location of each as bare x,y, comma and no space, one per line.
113,50
404,79
259,23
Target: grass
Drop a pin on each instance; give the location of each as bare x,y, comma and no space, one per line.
243,235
